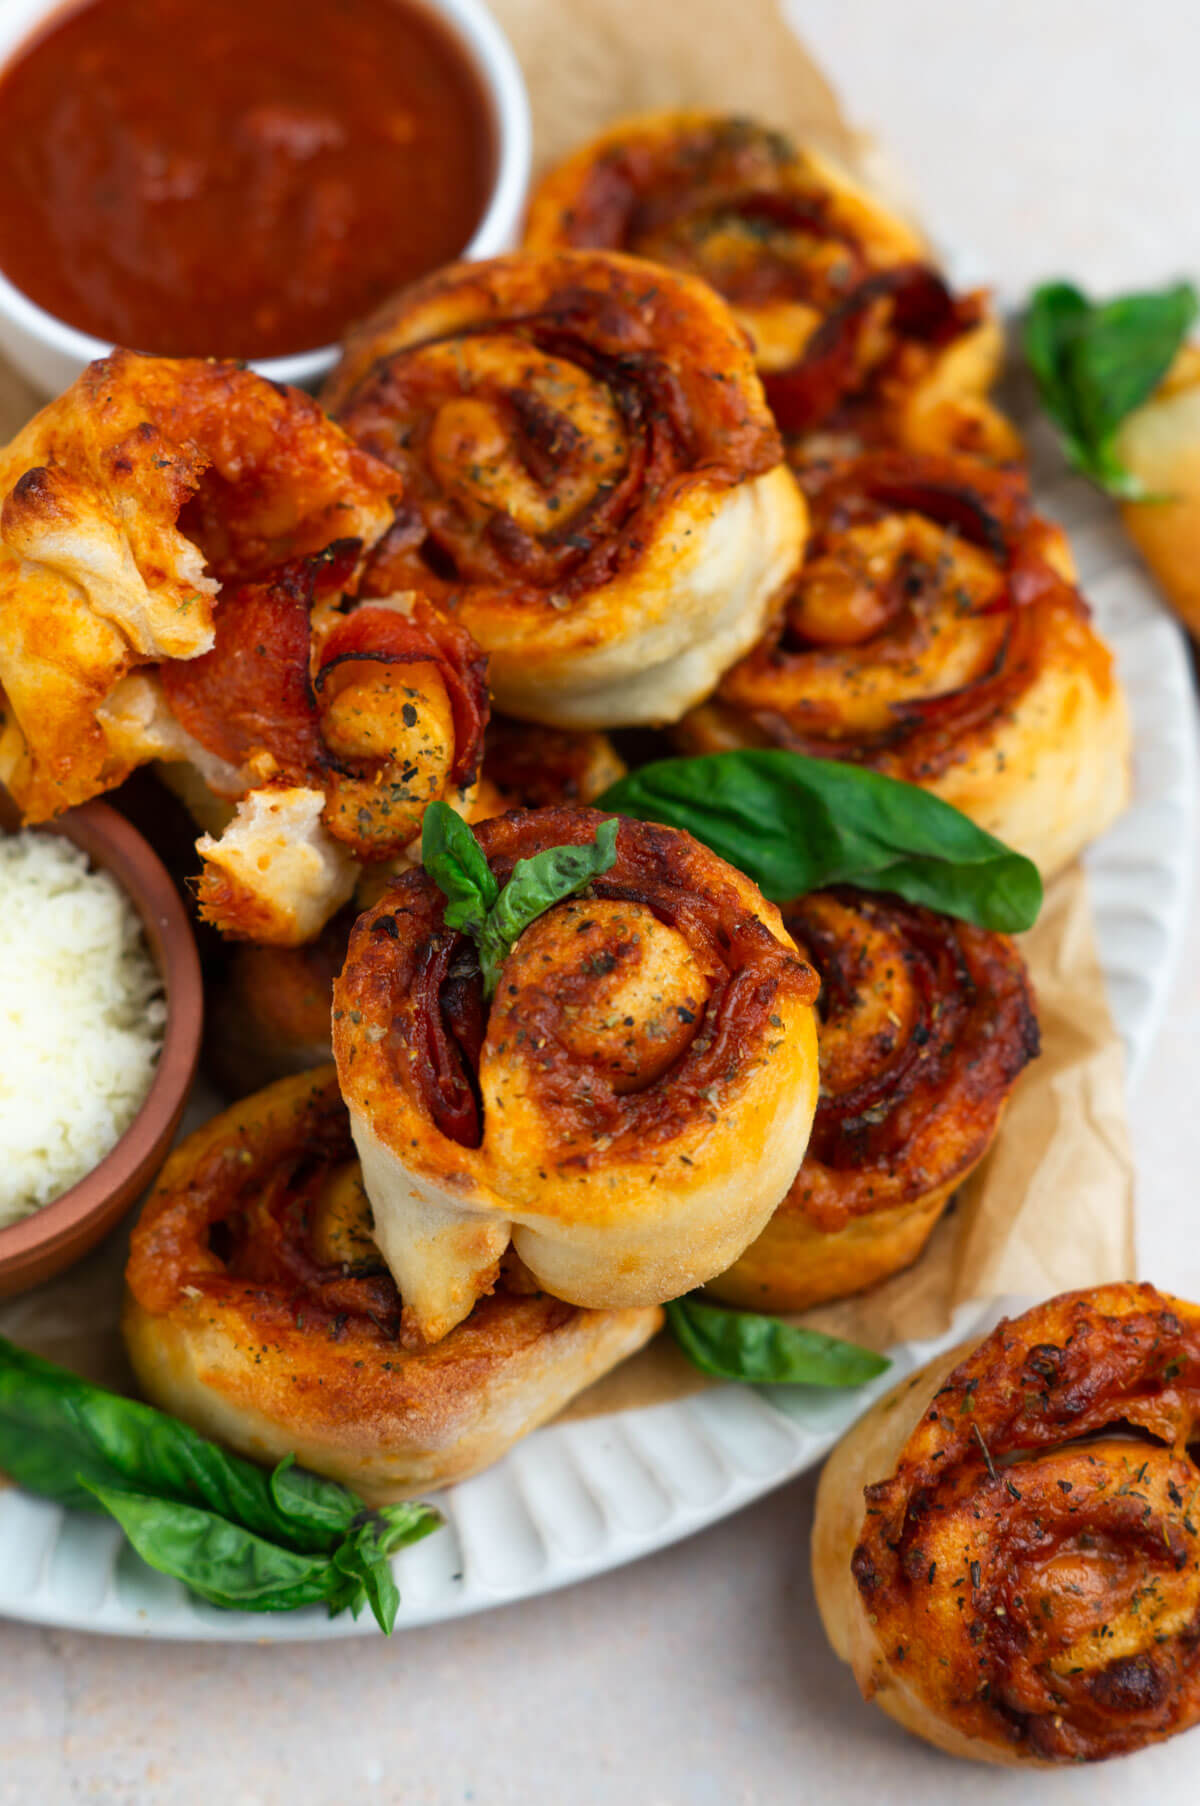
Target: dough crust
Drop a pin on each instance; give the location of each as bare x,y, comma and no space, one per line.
287,1342
593,482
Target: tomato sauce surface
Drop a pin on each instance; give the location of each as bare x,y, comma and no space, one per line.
236,178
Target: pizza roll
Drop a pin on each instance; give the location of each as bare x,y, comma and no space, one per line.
258,1310
267,1012
1005,1548
628,1112
857,336
935,634
359,719
592,480
1159,443
125,506
531,767
925,1025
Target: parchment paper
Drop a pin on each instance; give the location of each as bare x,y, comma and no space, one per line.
1052,1206
587,62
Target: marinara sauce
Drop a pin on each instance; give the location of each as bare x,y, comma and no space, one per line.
236,178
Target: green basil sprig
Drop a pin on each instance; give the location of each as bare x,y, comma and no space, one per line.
232,1532
1094,363
496,917
795,824
764,1351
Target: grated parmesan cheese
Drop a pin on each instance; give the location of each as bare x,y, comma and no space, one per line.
81,1019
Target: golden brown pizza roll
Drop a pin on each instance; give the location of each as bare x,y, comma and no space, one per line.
330,731
629,1110
1159,443
936,634
1006,1549
259,1311
592,479
856,334
924,1026
125,507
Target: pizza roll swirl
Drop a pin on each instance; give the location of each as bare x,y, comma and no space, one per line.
125,506
629,1111
259,1311
1006,1547
592,480
924,1025
935,634
857,336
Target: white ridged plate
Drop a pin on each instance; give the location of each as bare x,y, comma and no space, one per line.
580,1497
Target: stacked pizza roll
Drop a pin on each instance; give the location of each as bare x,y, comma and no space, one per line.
933,629
711,458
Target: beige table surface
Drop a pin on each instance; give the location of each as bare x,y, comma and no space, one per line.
1046,137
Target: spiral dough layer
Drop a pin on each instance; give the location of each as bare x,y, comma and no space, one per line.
260,1312
925,1024
630,1110
935,634
592,480
1007,1547
857,336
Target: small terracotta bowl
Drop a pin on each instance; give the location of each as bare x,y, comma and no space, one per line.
60,1232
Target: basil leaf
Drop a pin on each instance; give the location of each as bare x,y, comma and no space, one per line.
1094,363
395,1526
363,1557
496,917
59,1434
363,1560
536,885
218,1560
1055,313
795,824
307,1502
227,1565
763,1351
74,1442
454,860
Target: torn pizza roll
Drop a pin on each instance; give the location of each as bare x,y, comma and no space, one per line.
126,506
326,729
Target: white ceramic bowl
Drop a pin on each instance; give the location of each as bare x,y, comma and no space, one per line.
51,353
